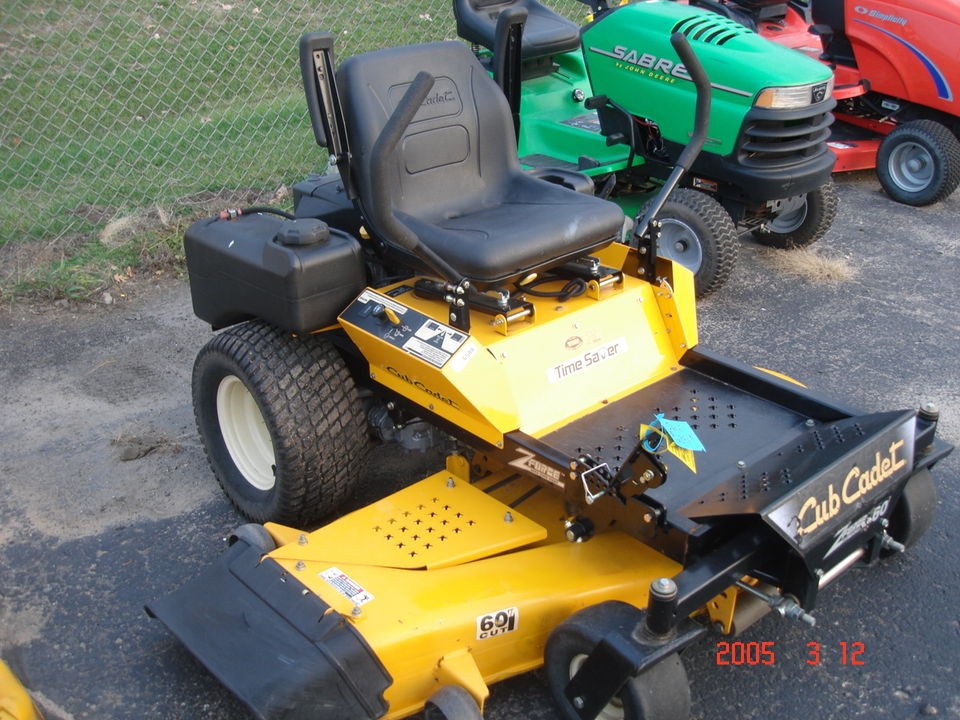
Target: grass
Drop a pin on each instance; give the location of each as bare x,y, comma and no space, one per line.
111,109
814,264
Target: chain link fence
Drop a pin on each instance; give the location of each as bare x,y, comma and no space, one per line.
114,109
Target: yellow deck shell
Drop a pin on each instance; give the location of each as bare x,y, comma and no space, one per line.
425,613
15,702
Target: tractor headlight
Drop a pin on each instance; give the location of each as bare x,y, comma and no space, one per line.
798,96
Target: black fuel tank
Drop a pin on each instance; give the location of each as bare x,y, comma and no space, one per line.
295,274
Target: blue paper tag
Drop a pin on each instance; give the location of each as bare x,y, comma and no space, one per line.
681,433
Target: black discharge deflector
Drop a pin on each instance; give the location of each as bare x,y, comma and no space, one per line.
279,648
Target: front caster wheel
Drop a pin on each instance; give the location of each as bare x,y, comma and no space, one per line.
919,163
661,692
451,702
281,423
255,535
804,224
914,512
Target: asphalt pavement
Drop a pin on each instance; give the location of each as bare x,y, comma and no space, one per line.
106,501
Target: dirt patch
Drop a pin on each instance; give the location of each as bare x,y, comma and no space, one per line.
23,625
134,447
122,229
208,202
73,267
100,425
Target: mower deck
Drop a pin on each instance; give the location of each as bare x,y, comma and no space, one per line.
452,582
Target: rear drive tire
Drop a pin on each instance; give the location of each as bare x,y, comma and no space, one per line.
919,163
699,234
281,422
914,512
803,226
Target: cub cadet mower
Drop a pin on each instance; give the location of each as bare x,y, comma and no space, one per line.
616,103
621,491
896,71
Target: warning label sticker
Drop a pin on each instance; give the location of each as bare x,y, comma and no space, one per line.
588,121
404,327
461,359
435,342
345,585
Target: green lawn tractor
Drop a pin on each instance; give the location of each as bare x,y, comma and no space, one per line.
617,491
615,102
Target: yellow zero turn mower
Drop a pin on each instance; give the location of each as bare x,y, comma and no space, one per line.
620,492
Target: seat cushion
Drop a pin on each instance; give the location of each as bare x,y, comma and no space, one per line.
537,225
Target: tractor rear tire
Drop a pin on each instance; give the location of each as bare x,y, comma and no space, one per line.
919,163
914,512
282,425
699,234
661,692
805,225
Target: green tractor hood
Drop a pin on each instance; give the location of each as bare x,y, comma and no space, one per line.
630,60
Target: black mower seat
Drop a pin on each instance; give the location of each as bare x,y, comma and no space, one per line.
545,32
455,179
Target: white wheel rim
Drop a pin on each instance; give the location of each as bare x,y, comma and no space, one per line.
911,167
613,709
245,433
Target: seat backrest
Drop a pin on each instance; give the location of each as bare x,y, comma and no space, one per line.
828,12
831,13
545,33
457,152
758,4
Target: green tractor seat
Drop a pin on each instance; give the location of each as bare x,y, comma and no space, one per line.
545,32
